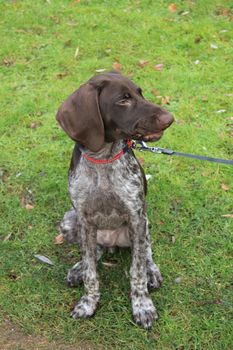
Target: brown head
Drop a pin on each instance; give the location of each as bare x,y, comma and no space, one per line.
110,107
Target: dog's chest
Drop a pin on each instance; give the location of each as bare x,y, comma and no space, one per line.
107,193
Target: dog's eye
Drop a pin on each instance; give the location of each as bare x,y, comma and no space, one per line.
125,99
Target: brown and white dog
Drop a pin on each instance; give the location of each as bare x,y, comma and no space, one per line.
107,185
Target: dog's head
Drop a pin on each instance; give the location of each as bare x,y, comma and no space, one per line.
110,107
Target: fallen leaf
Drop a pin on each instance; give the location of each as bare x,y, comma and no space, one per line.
178,280
143,63
204,174
29,206
172,7
100,70
35,125
165,100
7,237
148,177
214,46
185,13
7,62
4,174
228,216
159,67
62,75
59,239
108,264
76,52
67,43
155,92
160,222
27,199
198,39
55,19
117,66
44,259
197,62
225,187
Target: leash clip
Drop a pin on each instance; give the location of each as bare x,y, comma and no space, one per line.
142,146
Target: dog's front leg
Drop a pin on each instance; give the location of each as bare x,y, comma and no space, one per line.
144,311
88,302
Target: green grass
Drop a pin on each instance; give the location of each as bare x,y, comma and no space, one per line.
186,202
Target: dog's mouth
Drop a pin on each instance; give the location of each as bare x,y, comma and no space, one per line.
149,137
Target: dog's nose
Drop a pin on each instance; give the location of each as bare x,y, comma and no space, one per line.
165,119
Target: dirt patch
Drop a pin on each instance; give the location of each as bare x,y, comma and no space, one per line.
11,338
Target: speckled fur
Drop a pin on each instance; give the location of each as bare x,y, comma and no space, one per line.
108,197
109,207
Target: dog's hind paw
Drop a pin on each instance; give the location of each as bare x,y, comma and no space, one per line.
75,275
154,278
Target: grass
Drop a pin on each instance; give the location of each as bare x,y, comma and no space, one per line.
192,240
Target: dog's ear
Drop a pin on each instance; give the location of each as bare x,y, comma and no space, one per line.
80,117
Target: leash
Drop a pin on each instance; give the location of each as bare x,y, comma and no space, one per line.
142,146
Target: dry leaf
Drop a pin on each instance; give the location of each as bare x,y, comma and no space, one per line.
62,75
7,237
29,206
76,53
143,63
204,174
185,13
117,66
214,46
7,62
160,222
159,67
27,199
225,187
44,259
228,216
165,100
101,70
173,239
155,92
108,264
59,239
35,125
172,7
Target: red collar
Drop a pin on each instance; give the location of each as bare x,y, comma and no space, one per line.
129,144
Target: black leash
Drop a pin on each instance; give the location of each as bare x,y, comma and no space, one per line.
142,146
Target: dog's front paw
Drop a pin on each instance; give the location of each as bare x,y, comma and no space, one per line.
154,278
85,307
144,312
75,275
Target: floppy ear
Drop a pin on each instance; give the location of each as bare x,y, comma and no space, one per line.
80,117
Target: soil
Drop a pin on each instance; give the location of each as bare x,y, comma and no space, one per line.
12,338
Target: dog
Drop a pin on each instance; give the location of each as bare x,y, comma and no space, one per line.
107,186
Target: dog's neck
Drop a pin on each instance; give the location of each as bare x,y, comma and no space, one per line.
107,151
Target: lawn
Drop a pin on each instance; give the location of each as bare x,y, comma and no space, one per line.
182,56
